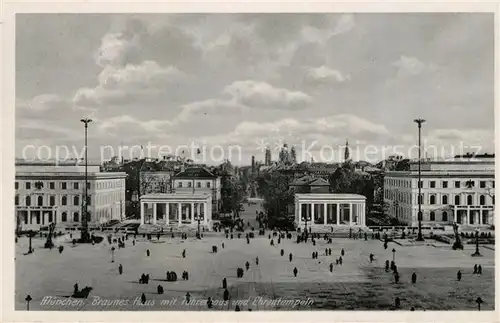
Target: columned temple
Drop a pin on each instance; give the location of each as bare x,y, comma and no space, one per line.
315,210
176,209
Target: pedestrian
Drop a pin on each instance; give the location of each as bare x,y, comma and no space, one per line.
396,277
188,297
257,260
75,289
133,242
290,257
272,242
337,261
397,302
479,270
159,289
340,261
331,267
326,252
413,278
313,255
226,295
371,258
224,283
475,269
120,269
385,245
342,252
459,275
386,265
147,252
248,240
223,245
330,250
392,265
282,252
143,298
247,265
209,302
184,253
295,271
237,308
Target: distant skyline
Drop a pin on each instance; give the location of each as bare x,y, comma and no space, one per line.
255,79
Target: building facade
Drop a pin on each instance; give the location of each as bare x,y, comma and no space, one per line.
198,180
47,192
329,210
460,190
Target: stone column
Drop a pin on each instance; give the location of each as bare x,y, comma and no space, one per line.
325,213
299,213
142,213
468,214
179,213
191,212
455,217
205,212
29,217
167,213
154,212
350,214
476,217
338,213
313,212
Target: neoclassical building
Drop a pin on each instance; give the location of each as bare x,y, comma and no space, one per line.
461,190
50,191
176,210
327,210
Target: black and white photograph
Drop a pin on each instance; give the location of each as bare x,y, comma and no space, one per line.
250,162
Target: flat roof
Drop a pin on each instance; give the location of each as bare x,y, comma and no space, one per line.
331,196
176,196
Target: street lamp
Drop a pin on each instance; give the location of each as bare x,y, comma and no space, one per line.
394,255
31,233
85,236
28,299
477,253
419,123
307,218
112,254
198,217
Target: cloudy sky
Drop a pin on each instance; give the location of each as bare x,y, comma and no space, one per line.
254,80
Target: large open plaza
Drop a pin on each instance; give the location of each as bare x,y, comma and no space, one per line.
270,285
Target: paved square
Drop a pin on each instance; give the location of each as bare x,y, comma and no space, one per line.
270,285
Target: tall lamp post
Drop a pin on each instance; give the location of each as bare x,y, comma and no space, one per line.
85,236
477,253
198,217
419,123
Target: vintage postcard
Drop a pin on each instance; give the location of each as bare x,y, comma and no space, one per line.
188,161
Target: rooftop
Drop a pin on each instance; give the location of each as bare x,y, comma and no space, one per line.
176,196
333,196
195,172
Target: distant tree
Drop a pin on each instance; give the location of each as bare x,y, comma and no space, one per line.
346,180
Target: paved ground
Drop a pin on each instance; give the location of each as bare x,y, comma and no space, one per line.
357,284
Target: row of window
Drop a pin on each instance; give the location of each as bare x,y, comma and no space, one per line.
52,185
404,198
190,184
64,185
443,184
52,200
64,218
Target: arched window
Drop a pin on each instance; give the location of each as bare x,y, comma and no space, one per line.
28,200
64,200
445,216
64,217
433,216
445,199
469,200
16,200
432,199
40,201
457,199
482,200
76,200
75,217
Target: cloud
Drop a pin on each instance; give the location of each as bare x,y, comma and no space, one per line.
324,74
113,125
264,96
209,108
129,83
408,66
112,50
344,24
39,103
